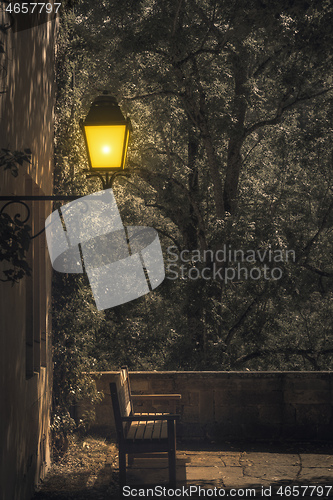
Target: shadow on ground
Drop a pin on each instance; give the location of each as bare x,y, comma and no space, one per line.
89,470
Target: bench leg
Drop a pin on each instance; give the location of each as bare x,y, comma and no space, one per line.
122,468
172,467
172,452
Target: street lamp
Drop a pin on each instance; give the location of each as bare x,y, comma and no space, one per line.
106,134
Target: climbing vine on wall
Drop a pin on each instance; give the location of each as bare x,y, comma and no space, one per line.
14,232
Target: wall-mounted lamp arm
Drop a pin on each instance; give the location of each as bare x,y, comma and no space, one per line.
107,183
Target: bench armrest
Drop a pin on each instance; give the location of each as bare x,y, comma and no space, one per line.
150,418
171,397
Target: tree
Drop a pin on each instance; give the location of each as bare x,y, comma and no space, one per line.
231,105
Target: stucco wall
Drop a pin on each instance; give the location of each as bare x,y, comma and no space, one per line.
26,121
237,405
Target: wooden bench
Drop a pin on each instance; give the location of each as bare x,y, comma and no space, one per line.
142,432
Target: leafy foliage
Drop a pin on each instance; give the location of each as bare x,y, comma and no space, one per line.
74,335
15,240
231,104
14,233
11,160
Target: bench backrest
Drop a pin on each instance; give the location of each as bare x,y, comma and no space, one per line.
121,401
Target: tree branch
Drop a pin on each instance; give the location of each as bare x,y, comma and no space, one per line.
281,109
152,94
176,18
161,231
241,319
308,246
286,351
147,175
317,271
167,153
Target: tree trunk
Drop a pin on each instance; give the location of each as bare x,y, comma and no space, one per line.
237,136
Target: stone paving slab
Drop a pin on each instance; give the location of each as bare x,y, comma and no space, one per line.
202,459
271,473
246,467
204,474
231,459
271,459
317,460
317,474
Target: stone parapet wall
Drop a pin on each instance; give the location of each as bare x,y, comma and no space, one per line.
236,405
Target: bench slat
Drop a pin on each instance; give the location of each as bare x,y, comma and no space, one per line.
164,430
154,431
140,431
132,431
157,429
149,430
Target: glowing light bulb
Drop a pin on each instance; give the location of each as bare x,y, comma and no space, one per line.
106,150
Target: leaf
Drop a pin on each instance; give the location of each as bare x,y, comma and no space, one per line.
11,159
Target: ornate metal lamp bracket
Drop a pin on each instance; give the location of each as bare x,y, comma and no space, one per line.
107,183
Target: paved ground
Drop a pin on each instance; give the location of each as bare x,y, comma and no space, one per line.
89,471
244,471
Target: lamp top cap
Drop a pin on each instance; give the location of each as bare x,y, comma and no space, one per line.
105,99
105,111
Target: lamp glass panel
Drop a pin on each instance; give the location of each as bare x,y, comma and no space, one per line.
126,144
105,144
